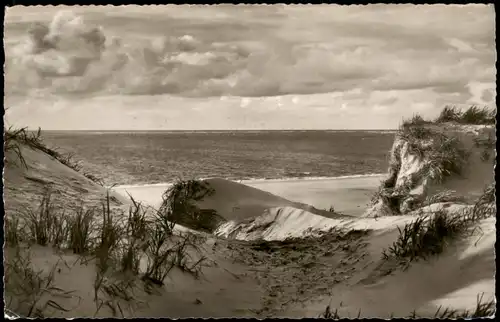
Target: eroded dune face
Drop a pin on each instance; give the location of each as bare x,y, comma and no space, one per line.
413,178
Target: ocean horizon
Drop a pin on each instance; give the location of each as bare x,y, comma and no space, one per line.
161,157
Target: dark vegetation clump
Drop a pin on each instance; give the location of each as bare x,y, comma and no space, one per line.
444,155
473,115
443,196
428,235
416,120
180,205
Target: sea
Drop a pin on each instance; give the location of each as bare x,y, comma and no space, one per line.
150,157
82,70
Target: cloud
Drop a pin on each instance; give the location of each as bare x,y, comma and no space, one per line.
331,66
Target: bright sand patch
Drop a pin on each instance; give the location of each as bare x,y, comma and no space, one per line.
348,195
289,222
453,279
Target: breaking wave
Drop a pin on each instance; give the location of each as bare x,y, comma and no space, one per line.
72,56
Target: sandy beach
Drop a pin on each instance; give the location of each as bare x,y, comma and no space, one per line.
348,195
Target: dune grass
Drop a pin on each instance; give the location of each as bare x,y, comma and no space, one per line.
473,115
446,154
428,235
115,240
29,293
15,139
443,196
415,120
179,205
423,237
443,155
483,309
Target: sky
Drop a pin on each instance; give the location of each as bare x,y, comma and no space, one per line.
248,67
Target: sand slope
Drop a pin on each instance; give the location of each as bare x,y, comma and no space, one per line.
24,187
453,280
222,291
348,195
238,202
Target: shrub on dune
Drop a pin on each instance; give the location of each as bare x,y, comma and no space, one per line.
416,120
179,205
478,116
443,155
473,115
449,114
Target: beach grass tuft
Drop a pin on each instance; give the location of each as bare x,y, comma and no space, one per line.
444,155
15,139
428,235
483,309
449,114
81,226
443,196
473,115
28,292
116,240
179,205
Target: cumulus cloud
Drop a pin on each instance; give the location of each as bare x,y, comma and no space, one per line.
342,61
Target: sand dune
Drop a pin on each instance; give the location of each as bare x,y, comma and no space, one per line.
235,201
272,258
349,196
24,187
